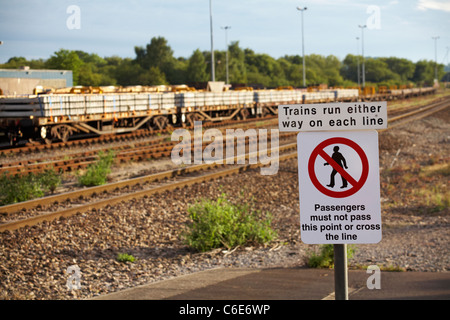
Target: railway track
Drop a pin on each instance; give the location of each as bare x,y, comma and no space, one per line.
407,115
166,181
136,151
29,213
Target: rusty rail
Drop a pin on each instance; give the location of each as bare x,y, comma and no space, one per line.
127,183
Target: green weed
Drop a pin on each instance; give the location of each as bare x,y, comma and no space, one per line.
325,257
50,180
19,188
220,223
125,257
97,173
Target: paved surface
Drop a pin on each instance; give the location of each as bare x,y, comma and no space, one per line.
289,284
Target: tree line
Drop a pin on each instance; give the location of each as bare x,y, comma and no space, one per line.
155,64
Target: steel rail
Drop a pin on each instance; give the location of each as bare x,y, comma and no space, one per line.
147,149
87,158
11,226
420,113
127,183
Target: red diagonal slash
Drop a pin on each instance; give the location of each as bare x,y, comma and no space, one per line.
338,168
356,185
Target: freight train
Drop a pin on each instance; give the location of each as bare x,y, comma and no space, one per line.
58,116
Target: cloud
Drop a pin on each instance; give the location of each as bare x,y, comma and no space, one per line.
434,5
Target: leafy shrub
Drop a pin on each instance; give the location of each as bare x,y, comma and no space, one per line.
50,180
18,188
97,173
325,257
220,223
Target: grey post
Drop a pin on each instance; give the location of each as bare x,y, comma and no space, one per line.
226,48
213,73
363,63
303,47
340,272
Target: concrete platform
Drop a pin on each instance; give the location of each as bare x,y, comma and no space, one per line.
289,284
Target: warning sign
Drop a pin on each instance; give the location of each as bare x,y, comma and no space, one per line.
333,116
339,165
339,187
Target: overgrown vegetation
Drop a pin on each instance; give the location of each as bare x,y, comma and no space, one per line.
50,180
97,173
325,257
125,257
18,188
155,64
220,223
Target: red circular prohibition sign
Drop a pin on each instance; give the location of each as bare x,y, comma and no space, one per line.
356,185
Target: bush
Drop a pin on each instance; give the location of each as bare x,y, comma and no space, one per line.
50,180
325,258
19,188
220,223
97,173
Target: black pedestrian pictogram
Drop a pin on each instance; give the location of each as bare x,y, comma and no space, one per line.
340,160
355,182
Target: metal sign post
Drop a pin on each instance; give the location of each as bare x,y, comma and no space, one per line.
339,187
340,272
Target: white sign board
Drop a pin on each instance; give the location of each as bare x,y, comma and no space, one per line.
339,187
333,116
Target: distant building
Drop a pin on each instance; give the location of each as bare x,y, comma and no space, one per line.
24,81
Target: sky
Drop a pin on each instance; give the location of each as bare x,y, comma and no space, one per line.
394,28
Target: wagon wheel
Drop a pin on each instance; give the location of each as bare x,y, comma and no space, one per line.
62,132
192,117
244,113
161,122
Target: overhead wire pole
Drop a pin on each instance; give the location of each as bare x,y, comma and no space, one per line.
363,62
303,47
213,75
435,58
357,61
226,49
448,73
